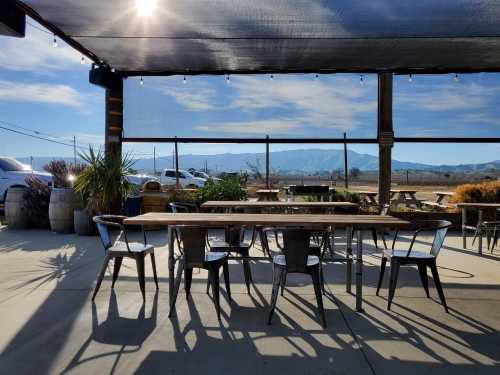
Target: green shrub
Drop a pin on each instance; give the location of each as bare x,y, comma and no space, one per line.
227,189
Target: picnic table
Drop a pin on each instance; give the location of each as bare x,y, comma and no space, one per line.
440,203
231,205
404,196
267,194
353,222
368,197
479,207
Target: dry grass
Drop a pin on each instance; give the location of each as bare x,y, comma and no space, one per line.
486,192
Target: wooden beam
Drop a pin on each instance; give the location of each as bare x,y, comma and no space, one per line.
12,20
385,136
177,186
114,119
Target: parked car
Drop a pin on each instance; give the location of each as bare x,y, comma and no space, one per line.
140,179
13,174
203,175
186,179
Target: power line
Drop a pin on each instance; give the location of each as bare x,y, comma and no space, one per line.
41,138
39,28
39,133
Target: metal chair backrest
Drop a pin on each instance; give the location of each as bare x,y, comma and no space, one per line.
103,223
296,243
177,207
193,239
441,227
384,210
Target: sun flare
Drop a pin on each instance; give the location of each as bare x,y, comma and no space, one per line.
145,8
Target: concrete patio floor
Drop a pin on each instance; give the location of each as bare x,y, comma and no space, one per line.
48,324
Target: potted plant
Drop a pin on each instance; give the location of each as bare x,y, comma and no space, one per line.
103,183
63,200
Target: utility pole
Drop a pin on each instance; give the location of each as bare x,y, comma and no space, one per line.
173,159
267,161
74,150
154,160
176,165
346,172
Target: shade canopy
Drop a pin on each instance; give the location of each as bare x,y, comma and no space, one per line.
281,36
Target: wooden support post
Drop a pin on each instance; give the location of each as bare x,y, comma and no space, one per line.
346,171
176,165
267,162
385,136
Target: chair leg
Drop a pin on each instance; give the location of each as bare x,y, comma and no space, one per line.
374,235
393,282
225,269
283,282
139,260
322,279
153,264
422,270
381,275
188,277
214,278
101,276
437,282
177,283
315,274
247,271
274,296
383,240
116,270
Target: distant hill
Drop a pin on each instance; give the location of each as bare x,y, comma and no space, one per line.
300,161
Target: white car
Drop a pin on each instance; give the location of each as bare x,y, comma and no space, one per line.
139,179
14,173
203,175
186,179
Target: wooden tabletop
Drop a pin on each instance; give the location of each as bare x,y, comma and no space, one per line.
478,205
264,191
366,192
280,220
403,191
242,204
449,193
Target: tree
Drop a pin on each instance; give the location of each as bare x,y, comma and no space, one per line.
354,172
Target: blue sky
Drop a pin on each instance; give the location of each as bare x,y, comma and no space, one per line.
46,89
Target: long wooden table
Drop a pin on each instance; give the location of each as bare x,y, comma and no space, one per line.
230,205
353,222
480,207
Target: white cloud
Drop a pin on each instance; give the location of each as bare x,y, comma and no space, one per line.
193,98
40,93
35,53
481,118
261,127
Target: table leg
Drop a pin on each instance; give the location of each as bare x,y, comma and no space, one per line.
480,231
359,271
171,265
464,223
348,270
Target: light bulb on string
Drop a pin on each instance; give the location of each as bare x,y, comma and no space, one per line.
113,70
316,77
184,80
410,78
141,81
228,80
54,42
455,78
82,60
271,77
361,79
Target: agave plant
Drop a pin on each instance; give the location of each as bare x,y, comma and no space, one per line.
103,183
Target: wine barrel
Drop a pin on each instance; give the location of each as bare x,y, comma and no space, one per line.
63,202
15,209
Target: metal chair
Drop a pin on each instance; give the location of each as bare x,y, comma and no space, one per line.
296,259
120,249
193,255
421,259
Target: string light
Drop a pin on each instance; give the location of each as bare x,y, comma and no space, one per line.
54,42
82,60
113,70
316,76
228,80
184,80
141,81
271,77
410,78
361,79
456,77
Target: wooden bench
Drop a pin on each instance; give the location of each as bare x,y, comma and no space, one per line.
435,205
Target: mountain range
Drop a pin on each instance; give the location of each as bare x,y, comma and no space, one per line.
291,161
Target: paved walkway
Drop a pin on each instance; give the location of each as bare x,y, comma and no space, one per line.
49,326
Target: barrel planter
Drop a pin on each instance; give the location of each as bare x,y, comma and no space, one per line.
15,210
84,226
63,202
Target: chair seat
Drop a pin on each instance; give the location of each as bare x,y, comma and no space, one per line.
135,247
214,256
402,254
281,261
